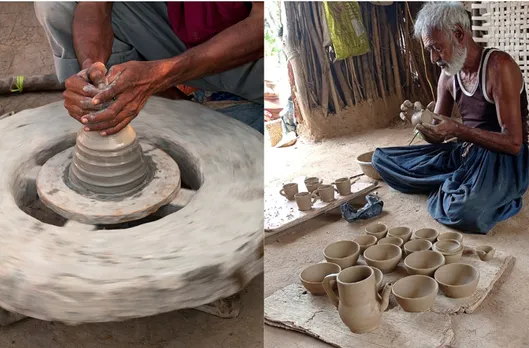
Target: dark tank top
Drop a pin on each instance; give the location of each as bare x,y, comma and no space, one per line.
476,108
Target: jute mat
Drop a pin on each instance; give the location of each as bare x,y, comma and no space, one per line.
293,308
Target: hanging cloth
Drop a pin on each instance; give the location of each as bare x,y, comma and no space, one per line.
347,31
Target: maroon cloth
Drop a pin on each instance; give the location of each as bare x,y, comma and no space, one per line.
477,112
195,22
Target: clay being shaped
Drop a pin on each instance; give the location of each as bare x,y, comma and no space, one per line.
485,252
359,304
111,164
416,113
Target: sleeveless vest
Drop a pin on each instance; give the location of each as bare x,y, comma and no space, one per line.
476,108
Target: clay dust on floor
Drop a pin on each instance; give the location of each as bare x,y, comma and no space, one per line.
501,319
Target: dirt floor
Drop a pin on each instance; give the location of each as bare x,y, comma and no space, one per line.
24,51
501,321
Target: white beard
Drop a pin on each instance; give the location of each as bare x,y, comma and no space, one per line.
457,63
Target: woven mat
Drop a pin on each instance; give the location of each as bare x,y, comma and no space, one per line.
294,309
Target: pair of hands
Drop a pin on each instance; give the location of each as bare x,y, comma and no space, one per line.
442,128
108,101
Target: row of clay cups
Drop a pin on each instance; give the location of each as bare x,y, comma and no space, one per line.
343,187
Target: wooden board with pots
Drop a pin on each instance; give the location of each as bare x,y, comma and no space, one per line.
282,213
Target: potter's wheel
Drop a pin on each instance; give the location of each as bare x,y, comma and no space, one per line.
205,247
108,180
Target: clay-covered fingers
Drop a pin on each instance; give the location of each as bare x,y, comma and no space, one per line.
78,85
97,75
406,106
104,118
118,127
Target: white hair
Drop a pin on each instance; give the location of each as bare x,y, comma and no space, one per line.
443,16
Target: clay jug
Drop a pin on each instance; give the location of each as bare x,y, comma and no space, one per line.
359,305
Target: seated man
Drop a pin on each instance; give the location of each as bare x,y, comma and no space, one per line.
480,179
151,47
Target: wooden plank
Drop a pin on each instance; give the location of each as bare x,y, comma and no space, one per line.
281,213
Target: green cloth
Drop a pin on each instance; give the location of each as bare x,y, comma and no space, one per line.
347,31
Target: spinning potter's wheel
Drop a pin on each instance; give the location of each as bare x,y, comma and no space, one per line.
206,245
108,179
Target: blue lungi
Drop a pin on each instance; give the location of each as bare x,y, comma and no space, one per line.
470,188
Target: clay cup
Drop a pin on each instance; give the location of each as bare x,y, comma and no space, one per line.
312,276
391,240
377,229
416,245
403,233
385,257
424,262
451,235
325,193
457,280
426,233
312,183
365,242
415,293
344,253
289,190
451,249
304,200
485,252
343,186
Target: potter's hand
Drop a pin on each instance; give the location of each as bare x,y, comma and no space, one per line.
81,88
445,129
130,85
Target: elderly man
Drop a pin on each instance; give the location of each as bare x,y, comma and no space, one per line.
151,47
479,180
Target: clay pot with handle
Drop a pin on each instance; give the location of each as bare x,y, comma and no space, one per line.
359,304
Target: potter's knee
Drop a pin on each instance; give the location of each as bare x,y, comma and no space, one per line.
54,14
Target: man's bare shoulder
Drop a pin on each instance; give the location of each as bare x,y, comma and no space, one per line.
445,82
502,63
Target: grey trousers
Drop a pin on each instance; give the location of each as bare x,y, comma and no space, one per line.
141,32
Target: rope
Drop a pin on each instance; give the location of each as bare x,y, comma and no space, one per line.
19,84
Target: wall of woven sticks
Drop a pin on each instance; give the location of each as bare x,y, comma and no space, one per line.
396,68
504,25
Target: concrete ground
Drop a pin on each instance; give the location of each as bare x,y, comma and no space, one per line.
24,50
501,320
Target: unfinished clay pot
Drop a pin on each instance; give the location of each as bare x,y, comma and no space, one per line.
485,252
312,183
451,249
111,164
304,200
378,277
359,305
344,253
416,245
365,242
426,233
415,293
312,276
385,257
364,161
343,186
457,280
420,117
289,190
403,233
451,235
377,229
391,240
325,193
423,262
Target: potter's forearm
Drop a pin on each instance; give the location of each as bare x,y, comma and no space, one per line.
92,32
494,141
240,44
